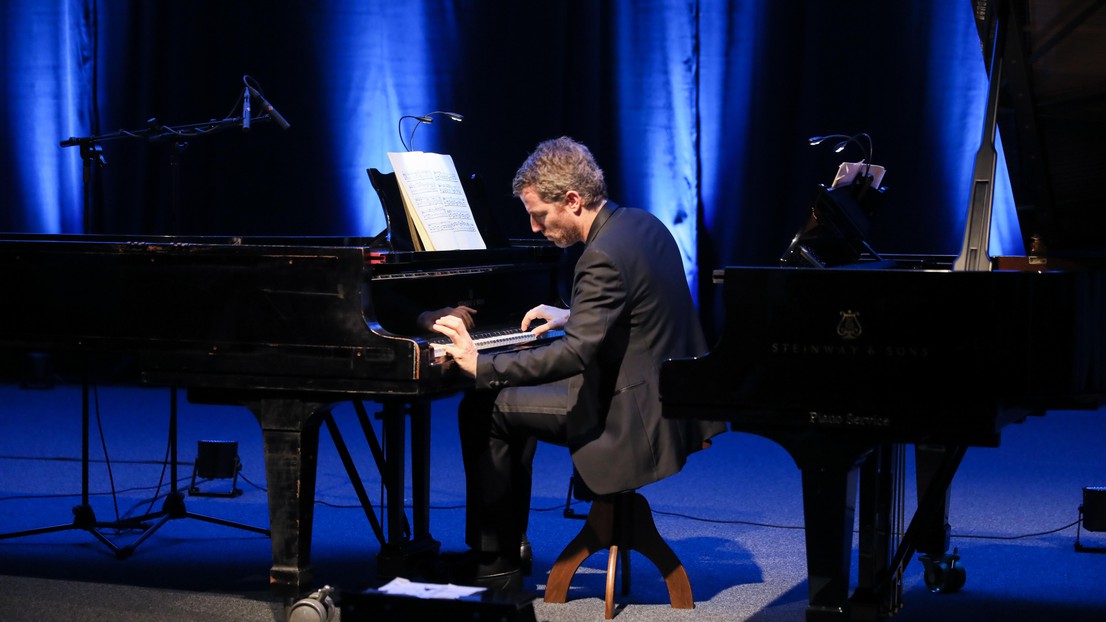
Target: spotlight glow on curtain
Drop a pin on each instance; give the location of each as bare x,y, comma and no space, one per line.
47,55
728,40
656,92
378,60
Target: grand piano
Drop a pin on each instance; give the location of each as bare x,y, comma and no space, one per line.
845,356
287,328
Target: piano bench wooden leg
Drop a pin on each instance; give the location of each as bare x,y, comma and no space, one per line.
619,523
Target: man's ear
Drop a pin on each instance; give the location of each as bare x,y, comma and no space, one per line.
574,202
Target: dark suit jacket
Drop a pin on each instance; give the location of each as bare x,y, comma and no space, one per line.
631,309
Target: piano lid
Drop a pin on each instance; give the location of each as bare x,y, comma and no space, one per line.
1051,116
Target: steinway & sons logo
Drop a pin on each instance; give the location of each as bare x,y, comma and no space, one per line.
849,326
849,330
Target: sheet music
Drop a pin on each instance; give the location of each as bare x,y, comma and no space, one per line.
435,200
448,591
848,171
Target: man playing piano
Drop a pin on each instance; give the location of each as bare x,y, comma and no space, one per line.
594,390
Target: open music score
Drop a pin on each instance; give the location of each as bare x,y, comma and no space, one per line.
438,211
491,339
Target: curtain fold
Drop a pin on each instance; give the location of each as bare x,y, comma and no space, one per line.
48,54
655,100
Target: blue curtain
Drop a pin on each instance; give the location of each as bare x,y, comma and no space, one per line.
47,79
699,111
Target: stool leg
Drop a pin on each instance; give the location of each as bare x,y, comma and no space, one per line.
595,536
612,568
648,541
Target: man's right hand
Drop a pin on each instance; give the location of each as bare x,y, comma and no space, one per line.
461,347
555,318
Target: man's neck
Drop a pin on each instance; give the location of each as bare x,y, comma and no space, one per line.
588,217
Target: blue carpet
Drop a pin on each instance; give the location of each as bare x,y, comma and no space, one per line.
734,516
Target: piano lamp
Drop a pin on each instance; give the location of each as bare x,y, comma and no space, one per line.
865,179
1092,514
427,119
216,460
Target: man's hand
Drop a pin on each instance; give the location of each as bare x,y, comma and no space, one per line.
555,318
462,349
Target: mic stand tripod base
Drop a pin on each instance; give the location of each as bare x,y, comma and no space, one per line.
173,507
84,517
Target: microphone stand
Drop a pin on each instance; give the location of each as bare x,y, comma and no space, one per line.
154,132
173,506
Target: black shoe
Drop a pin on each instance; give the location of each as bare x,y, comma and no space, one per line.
526,557
509,581
479,569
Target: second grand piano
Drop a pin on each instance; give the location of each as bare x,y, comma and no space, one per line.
843,361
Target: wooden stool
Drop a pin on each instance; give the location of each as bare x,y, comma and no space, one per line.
621,522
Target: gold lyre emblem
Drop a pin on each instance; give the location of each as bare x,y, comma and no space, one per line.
849,326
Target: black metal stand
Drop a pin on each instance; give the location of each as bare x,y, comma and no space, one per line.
84,517
173,507
154,132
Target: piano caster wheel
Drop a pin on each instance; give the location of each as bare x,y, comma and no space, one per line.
943,574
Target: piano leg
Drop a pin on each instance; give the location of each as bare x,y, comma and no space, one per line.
934,540
420,471
878,593
406,554
829,509
935,466
290,432
832,474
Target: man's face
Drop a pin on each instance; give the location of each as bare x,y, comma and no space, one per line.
553,220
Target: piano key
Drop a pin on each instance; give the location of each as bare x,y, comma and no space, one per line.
488,340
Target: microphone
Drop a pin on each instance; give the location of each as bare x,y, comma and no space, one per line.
246,109
279,120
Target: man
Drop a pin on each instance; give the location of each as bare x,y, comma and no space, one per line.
594,390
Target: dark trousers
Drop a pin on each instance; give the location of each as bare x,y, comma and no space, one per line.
499,433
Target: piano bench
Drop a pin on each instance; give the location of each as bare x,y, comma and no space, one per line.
620,522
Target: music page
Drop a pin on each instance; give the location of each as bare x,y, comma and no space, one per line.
435,201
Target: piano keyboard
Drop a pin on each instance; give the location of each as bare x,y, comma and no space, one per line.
489,339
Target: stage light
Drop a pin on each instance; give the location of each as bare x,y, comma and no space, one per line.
1092,515
216,460
315,607
1094,508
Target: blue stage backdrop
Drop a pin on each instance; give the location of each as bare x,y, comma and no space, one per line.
699,110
